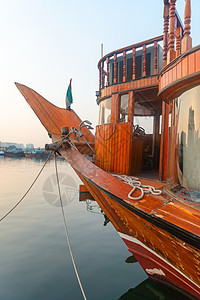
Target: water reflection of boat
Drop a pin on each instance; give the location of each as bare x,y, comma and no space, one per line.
92,207
148,289
159,226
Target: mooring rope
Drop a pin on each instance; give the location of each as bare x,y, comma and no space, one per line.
28,189
66,231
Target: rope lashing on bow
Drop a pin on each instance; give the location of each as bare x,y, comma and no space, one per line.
65,137
137,185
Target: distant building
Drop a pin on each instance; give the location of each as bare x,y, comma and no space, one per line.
30,146
9,144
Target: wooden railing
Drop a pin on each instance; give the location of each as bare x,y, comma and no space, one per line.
121,65
126,57
176,38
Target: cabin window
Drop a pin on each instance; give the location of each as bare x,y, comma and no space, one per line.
124,108
145,122
105,111
120,71
187,155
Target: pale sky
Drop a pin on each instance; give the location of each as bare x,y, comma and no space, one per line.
44,43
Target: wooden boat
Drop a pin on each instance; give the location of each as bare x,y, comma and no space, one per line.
14,153
33,153
158,215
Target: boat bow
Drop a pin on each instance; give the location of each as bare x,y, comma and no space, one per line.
52,117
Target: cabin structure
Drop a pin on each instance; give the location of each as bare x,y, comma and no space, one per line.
136,111
128,102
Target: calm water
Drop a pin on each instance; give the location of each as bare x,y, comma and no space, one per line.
34,257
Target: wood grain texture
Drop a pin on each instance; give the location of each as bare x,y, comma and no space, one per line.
184,216
181,74
180,254
52,117
113,147
133,85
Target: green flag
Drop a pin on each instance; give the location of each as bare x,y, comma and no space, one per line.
68,98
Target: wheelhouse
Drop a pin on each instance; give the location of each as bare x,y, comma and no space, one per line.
128,134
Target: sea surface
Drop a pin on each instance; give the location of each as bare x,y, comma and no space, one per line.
35,261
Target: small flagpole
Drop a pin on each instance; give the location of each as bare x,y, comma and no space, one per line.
101,50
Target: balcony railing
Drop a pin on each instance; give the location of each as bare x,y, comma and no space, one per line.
147,58
139,60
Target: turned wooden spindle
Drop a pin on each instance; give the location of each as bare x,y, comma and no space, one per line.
115,68
187,40
102,74
134,53
165,31
108,63
124,66
155,58
99,77
178,41
144,60
171,52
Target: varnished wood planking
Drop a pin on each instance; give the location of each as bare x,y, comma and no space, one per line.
198,60
101,200
185,66
114,154
192,63
52,117
140,83
149,204
179,254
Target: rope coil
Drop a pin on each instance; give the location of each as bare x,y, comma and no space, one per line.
136,184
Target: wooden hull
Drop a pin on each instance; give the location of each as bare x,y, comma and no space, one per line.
163,257
33,155
166,253
20,154
162,233
160,269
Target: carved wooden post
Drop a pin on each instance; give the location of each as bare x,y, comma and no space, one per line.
178,41
131,106
144,60
115,68
134,52
124,66
102,74
99,77
108,63
164,142
187,40
155,58
165,31
171,52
